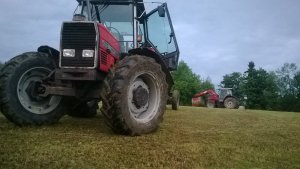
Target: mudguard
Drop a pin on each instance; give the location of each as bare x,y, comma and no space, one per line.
149,53
53,53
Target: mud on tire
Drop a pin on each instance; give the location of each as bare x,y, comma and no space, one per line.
17,102
135,96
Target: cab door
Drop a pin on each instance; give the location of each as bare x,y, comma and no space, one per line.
160,35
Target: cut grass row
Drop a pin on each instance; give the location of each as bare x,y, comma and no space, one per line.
188,138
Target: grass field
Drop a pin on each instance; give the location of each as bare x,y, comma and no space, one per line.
189,138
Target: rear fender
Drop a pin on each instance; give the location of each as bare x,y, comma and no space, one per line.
230,96
53,53
149,53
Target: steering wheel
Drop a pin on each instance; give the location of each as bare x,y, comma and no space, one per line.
115,32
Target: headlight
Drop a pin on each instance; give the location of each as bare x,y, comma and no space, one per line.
88,53
69,52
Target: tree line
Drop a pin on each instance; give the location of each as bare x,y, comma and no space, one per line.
255,88
1,65
274,90
189,83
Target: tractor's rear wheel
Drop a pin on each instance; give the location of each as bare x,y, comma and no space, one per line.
135,96
175,100
19,87
230,103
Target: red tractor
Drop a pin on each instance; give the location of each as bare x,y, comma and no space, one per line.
114,51
211,99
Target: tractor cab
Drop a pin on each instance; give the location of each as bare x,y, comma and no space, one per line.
223,93
135,25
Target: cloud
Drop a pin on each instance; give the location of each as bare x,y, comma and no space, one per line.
27,25
215,37
220,37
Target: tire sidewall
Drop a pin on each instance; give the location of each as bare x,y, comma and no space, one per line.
36,60
154,70
233,100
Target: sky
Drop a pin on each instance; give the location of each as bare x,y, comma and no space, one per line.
215,37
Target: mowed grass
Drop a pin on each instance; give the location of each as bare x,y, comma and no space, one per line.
188,138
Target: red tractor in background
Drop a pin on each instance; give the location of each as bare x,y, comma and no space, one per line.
209,98
115,51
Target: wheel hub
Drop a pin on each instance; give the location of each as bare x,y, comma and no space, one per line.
28,89
140,97
33,89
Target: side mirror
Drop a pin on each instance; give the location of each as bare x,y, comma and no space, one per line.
139,38
161,11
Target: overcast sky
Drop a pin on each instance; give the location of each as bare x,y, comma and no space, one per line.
216,37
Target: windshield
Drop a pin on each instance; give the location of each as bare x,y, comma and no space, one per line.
119,23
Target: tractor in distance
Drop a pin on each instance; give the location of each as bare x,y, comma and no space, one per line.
115,51
209,98
174,99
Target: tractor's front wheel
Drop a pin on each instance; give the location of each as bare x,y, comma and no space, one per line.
20,79
175,100
136,96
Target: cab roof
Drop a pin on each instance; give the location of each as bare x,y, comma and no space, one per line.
112,1
140,5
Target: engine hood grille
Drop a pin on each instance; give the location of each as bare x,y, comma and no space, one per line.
78,36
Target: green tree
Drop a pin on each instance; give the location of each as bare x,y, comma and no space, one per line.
234,81
250,89
271,92
285,79
1,64
187,82
287,82
256,87
206,84
297,87
297,84
278,90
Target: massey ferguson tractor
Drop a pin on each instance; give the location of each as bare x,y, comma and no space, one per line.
114,51
209,98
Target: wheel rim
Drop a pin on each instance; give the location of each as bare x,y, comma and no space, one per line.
230,104
144,111
39,105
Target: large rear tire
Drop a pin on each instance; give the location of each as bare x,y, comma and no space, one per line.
231,103
18,100
135,96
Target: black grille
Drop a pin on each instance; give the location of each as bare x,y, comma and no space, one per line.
78,36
